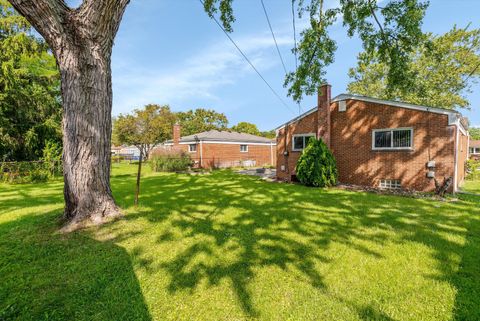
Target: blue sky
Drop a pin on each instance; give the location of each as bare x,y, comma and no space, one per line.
170,52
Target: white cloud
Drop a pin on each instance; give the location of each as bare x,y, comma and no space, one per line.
198,76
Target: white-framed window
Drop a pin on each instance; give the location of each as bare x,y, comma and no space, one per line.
300,141
390,184
474,150
243,148
192,148
392,139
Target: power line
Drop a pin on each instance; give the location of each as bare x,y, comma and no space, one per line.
300,109
294,34
273,35
249,62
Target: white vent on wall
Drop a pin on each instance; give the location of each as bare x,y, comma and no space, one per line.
342,105
390,184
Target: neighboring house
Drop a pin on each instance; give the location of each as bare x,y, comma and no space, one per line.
380,143
130,152
474,149
220,149
115,150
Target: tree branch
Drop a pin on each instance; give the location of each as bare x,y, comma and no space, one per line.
99,20
48,17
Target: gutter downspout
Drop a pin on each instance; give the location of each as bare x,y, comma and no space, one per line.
271,153
201,153
468,146
455,173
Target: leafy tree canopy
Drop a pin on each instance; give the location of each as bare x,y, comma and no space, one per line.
30,108
389,30
475,133
200,120
268,133
246,127
144,128
443,70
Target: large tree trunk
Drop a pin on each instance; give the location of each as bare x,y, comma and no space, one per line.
87,103
82,40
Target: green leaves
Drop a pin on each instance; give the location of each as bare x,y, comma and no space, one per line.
391,31
443,69
474,133
144,128
200,120
30,109
245,127
317,166
212,7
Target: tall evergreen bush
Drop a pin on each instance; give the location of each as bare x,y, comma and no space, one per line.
317,165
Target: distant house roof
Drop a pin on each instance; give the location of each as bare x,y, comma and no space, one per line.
224,136
475,143
453,114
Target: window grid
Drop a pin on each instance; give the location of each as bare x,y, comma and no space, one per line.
390,184
192,148
243,148
299,142
400,138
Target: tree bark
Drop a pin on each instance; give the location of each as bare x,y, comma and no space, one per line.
81,40
87,103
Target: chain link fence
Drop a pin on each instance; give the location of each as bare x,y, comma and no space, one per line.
29,172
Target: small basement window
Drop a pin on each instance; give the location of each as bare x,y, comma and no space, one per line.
299,142
390,184
243,148
192,148
392,139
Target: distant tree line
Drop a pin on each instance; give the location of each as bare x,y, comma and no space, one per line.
153,124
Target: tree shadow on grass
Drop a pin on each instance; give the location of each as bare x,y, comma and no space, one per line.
235,225
227,228
48,276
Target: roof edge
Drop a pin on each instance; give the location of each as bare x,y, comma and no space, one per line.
377,101
396,103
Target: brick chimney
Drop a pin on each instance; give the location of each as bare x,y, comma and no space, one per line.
176,134
323,125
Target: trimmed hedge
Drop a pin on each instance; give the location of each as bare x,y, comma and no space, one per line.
317,165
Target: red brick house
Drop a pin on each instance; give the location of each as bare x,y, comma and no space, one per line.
380,143
220,149
474,149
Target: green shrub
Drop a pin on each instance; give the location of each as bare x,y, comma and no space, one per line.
317,166
39,175
170,161
52,159
29,172
117,159
473,169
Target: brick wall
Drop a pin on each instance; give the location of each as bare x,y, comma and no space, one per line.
351,144
229,155
305,125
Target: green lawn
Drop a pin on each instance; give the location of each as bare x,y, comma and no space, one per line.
472,186
230,247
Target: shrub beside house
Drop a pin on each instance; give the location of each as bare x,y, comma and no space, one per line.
379,143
